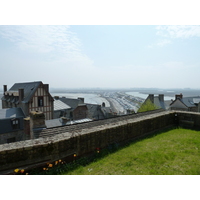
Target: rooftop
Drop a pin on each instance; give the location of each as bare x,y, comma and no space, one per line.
11,113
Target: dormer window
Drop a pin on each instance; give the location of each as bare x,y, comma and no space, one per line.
15,123
40,101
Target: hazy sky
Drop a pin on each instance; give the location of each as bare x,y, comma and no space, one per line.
105,56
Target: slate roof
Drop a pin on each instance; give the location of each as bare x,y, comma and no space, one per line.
189,101
158,103
59,105
73,103
6,115
11,113
58,122
29,90
95,111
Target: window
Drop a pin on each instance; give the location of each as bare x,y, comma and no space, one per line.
40,102
9,140
15,123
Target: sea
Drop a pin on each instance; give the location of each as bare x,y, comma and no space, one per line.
93,98
96,98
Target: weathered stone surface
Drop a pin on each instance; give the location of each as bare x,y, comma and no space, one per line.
86,138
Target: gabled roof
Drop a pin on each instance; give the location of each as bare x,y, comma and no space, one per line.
73,103
188,101
95,111
29,90
6,115
59,105
158,103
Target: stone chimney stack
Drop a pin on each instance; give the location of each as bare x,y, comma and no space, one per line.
21,95
5,88
27,128
82,99
46,87
37,123
161,97
64,120
151,97
179,96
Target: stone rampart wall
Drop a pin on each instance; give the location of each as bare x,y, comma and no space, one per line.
29,153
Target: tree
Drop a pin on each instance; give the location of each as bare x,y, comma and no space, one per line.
147,106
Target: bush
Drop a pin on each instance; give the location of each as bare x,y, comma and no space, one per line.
147,106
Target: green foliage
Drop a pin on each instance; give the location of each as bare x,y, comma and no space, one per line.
147,106
171,152
174,152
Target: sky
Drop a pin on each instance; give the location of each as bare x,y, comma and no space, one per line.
101,56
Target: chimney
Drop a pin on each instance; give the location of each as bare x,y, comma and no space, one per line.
27,128
64,120
5,88
180,96
82,99
161,97
151,97
21,95
37,123
46,87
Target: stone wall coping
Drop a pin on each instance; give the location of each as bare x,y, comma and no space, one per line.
67,135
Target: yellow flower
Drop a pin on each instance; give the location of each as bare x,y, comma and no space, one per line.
50,165
22,170
26,173
16,170
44,168
74,155
60,160
56,162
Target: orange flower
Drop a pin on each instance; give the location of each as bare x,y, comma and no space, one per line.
60,160
74,155
56,162
22,170
50,165
44,168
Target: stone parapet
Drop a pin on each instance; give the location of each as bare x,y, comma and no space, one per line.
85,139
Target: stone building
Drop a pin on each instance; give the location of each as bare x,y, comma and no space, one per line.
74,109
158,101
186,103
11,125
29,97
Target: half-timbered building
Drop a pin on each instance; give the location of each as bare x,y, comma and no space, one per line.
29,97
